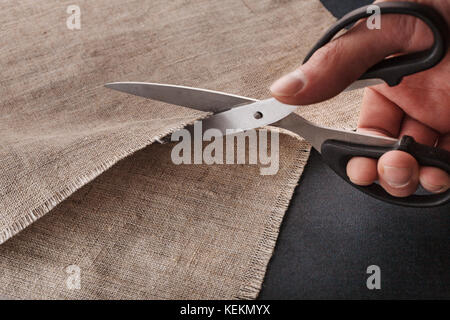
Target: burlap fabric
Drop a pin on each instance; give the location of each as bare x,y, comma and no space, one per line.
141,227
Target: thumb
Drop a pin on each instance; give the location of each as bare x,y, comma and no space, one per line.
339,63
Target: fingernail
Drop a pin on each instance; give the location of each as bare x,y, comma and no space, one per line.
289,85
433,188
360,182
397,177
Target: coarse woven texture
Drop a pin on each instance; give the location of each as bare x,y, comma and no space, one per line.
145,228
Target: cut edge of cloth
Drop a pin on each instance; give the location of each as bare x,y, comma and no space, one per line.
76,183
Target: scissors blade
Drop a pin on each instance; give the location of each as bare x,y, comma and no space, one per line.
274,113
316,135
236,113
195,98
200,99
358,84
249,116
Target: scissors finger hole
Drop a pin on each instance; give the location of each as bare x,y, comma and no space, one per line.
258,115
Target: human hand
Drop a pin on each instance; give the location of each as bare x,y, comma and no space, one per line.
419,106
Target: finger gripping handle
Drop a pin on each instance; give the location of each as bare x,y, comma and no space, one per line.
337,154
392,70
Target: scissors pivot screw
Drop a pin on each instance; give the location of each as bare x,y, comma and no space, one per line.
258,115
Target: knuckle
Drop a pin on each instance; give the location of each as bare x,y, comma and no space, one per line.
327,54
332,57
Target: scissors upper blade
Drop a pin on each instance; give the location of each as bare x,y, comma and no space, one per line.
195,98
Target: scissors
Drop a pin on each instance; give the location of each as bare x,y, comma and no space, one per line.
337,147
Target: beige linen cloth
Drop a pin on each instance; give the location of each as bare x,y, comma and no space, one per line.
80,184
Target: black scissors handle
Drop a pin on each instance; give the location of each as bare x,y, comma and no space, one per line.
337,154
392,70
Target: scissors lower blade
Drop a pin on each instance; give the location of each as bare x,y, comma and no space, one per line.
274,113
195,98
249,116
316,135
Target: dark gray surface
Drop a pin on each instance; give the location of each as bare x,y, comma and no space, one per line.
331,233
340,7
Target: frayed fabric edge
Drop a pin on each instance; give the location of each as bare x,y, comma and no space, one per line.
38,212
255,274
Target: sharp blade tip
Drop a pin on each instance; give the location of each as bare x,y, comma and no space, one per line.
112,85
